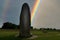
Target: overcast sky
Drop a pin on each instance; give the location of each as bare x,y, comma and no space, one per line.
47,16
10,10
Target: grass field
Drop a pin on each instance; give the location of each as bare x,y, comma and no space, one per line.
10,35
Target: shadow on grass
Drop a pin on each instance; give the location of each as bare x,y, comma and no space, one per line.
11,38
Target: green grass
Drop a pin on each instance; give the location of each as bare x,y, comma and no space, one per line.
10,35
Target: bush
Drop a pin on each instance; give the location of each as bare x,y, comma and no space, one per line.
9,25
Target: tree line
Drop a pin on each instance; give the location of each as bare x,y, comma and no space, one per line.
8,25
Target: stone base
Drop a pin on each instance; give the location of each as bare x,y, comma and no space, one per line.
27,36
32,37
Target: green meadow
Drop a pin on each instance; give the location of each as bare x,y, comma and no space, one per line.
11,35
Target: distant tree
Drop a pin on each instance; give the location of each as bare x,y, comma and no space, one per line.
54,29
47,28
31,27
42,28
18,27
9,25
50,29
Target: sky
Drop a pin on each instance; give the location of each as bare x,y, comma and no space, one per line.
10,10
46,16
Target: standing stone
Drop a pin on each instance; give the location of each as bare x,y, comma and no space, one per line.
25,21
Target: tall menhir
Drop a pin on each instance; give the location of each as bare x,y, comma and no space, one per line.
25,21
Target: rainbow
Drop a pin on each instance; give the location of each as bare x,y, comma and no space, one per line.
34,9
5,8
33,12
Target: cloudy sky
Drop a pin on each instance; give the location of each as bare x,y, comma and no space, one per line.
47,16
10,10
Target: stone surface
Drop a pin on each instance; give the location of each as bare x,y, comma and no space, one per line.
33,37
25,21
